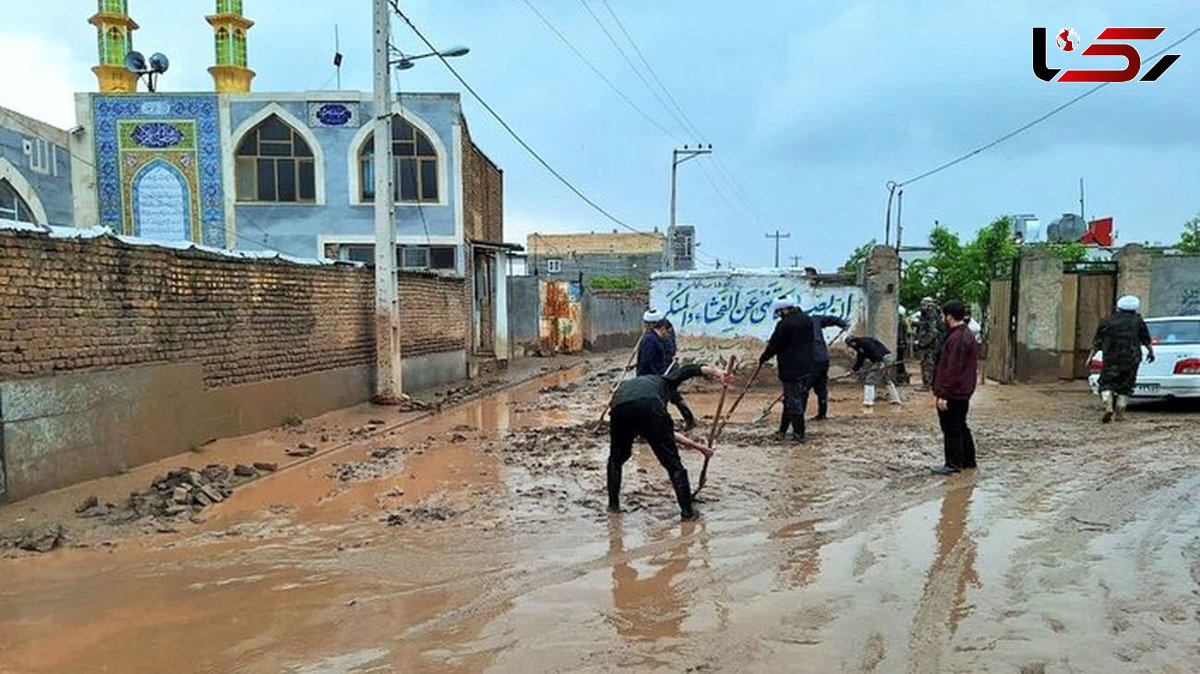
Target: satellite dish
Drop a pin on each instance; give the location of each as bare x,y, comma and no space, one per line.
135,62
159,63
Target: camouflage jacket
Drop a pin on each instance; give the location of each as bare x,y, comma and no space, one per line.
1121,337
928,331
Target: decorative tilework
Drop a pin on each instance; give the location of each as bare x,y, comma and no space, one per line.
333,114
183,132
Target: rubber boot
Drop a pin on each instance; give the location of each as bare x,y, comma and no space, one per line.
683,494
784,422
1122,402
798,429
1107,397
614,489
689,419
869,395
894,395
822,410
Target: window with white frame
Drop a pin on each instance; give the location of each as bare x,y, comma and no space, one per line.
554,266
12,206
436,258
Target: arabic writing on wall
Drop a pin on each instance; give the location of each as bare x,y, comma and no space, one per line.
739,306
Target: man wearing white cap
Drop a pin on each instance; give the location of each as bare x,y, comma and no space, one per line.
657,353
792,345
1121,337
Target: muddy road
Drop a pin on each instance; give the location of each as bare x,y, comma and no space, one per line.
475,539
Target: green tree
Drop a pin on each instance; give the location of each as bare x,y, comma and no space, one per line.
854,264
1189,242
1073,251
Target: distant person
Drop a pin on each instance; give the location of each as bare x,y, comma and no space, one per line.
928,334
874,365
819,383
1120,339
639,408
791,344
953,385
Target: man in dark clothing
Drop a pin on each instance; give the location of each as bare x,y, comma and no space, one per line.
791,344
639,408
928,335
953,385
820,375
656,355
875,362
672,350
1120,339
652,351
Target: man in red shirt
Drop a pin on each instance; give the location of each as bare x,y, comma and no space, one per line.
953,385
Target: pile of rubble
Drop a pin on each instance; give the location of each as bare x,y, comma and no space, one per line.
383,461
185,491
35,539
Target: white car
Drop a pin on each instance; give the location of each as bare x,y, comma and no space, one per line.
1175,372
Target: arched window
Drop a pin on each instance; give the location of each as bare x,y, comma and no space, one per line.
114,46
414,165
12,206
224,55
239,48
275,164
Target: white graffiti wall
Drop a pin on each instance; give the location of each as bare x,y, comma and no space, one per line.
738,304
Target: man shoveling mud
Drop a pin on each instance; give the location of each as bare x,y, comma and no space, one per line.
657,355
1120,338
792,346
639,408
876,364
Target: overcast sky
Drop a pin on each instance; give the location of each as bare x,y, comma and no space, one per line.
811,106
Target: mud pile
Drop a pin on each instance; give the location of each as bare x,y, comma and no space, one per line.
185,491
35,539
381,462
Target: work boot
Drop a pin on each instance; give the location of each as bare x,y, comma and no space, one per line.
1122,402
781,434
799,438
822,410
689,422
683,494
1107,397
894,394
869,395
945,471
614,489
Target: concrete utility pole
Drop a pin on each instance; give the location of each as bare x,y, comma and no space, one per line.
777,236
687,153
795,261
388,381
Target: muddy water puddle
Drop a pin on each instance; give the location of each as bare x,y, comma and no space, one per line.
475,540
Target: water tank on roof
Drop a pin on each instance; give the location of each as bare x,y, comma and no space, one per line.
1070,227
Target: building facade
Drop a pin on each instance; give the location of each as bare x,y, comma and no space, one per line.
288,173
35,171
580,257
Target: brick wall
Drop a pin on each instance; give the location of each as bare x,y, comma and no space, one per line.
433,313
483,194
69,305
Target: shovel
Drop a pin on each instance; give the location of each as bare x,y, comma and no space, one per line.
737,401
612,394
712,433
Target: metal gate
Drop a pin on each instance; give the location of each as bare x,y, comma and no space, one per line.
562,311
1089,295
1001,333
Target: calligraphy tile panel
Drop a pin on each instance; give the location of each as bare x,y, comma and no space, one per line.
158,166
730,305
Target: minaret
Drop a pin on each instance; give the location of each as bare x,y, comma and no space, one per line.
230,75
114,38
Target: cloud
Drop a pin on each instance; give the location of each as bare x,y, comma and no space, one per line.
38,81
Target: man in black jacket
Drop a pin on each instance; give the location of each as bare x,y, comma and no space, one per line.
878,362
820,376
639,407
792,346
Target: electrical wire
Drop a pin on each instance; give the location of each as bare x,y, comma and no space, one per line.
563,38
1036,121
513,133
